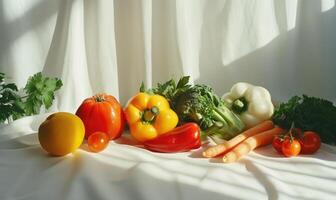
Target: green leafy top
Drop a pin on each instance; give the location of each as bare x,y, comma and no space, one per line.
39,91
308,113
170,90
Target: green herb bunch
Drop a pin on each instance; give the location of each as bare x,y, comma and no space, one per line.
308,114
39,91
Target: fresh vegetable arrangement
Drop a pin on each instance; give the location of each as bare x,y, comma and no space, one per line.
175,117
201,105
39,91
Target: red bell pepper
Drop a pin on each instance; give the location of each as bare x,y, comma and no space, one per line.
180,139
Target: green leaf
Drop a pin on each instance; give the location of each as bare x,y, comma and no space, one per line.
142,87
59,84
8,106
40,91
50,84
48,99
183,82
34,83
2,78
32,105
5,112
18,108
166,89
8,96
10,86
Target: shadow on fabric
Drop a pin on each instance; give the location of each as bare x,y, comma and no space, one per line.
18,27
295,62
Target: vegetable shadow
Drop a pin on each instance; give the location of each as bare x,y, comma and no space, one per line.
127,139
197,153
262,179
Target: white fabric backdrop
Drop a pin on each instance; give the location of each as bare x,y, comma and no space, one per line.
287,46
103,45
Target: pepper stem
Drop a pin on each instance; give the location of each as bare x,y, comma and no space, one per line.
240,105
150,114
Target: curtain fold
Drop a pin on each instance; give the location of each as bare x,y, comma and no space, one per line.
112,46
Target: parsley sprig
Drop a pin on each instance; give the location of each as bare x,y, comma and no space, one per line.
39,91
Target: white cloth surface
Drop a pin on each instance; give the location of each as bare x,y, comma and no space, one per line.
124,171
287,46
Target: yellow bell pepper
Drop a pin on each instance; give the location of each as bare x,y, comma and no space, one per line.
148,116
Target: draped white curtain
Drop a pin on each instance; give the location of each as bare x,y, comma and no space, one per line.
110,46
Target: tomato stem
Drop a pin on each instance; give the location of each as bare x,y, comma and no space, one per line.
290,132
99,98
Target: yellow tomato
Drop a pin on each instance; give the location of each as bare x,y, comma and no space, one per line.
61,133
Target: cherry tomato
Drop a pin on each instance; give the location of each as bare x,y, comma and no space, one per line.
277,144
291,147
310,142
98,141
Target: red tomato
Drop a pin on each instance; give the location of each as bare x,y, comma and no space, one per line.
98,141
104,113
310,142
277,144
291,148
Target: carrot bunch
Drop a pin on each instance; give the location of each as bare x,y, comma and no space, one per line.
257,136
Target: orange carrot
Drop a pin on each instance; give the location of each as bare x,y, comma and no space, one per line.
226,146
251,143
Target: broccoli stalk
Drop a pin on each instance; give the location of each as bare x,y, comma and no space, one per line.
226,126
201,105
